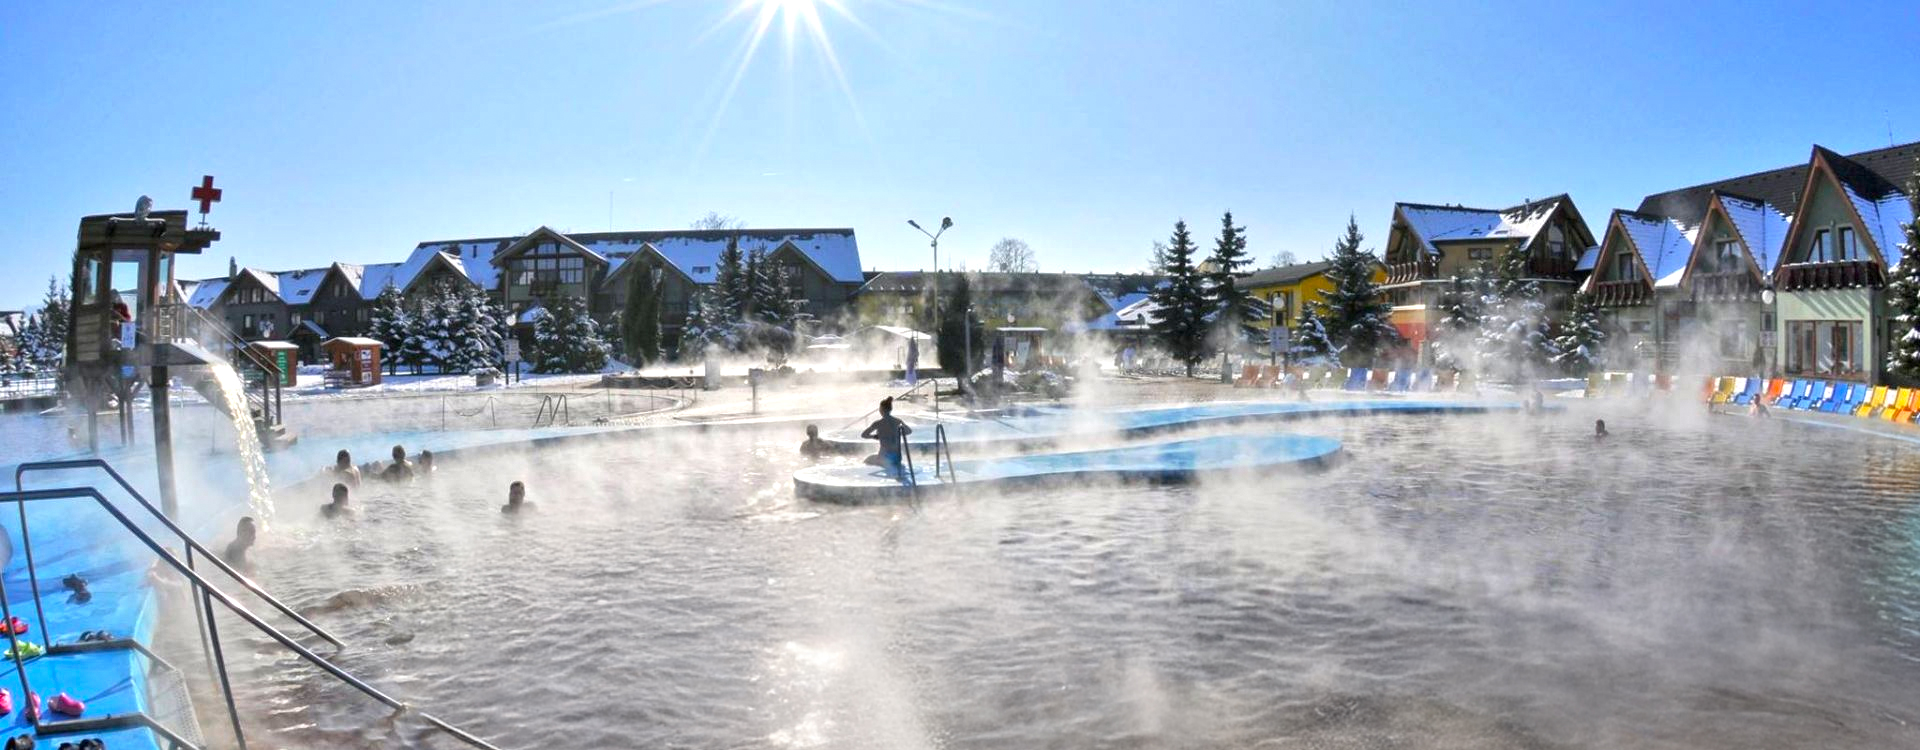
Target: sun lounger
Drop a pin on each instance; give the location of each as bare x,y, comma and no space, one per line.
1821,389
1841,393
1903,406
1882,398
1724,388
1746,395
1402,381
1774,387
1248,374
1423,381
1800,389
1594,379
1356,380
1854,399
1378,380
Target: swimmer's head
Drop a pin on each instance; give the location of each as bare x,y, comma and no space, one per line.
813,431
516,492
343,458
339,493
426,459
246,531
886,406
1599,427
399,454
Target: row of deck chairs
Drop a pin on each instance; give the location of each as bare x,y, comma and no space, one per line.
1857,399
1405,380
1626,383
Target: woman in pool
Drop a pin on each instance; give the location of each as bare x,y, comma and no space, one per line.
343,469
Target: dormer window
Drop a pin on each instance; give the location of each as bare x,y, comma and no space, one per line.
1556,243
1726,254
1623,267
703,269
1822,249
1849,246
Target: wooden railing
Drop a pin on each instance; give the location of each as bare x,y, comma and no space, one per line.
1621,293
1418,270
1723,285
1845,274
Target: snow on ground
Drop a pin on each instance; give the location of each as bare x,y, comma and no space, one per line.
312,384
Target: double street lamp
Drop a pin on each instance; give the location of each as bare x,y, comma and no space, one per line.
945,224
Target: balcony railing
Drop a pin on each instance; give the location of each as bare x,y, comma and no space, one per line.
1725,285
1621,293
1845,274
1552,267
1418,270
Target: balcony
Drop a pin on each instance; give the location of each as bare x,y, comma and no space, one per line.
1725,285
1845,274
1552,268
1418,270
1621,293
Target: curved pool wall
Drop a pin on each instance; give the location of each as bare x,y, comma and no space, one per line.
1172,461
76,536
1040,426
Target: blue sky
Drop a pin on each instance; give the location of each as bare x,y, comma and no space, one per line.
353,130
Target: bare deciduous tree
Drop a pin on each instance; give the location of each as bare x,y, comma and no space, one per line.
1011,255
1284,258
717,220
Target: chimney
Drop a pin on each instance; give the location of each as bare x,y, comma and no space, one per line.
233,268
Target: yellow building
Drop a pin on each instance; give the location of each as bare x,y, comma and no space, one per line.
1289,289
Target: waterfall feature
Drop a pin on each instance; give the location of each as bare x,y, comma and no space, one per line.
233,395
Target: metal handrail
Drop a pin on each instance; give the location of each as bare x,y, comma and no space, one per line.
270,409
214,593
941,445
903,394
192,546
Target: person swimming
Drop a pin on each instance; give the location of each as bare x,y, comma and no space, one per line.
890,433
426,463
339,506
244,536
1599,428
344,470
516,499
814,447
399,470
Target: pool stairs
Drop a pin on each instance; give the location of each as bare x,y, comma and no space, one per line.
168,711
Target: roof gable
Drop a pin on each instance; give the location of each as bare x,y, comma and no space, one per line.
1432,224
1870,202
533,238
1760,229
1783,188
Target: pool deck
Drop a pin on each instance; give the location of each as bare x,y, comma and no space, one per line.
1174,461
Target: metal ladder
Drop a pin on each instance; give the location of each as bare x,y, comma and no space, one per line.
209,594
940,445
553,410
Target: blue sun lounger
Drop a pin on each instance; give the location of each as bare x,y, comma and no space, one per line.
1423,381
1841,393
1356,380
1855,395
1799,389
1820,390
1402,381
1751,392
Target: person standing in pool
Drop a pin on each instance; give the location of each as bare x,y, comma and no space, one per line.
516,499
815,446
243,539
891,433
338,507
344,470
399,470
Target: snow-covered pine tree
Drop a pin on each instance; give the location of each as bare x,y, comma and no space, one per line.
567,339
1455,342
1514,331
1355,314
1903,298
26,345
702,330
1310,341
771,303
1182,326
50,351
437,341
389,322
1582,339
1235,311
412,350
640,319
734,288
475,333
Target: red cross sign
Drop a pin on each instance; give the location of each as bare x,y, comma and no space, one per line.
206,194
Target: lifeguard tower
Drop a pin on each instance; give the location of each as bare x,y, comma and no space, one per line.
130,327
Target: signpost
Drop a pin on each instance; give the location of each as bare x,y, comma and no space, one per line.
512,355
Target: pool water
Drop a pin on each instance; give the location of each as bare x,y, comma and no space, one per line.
1483,581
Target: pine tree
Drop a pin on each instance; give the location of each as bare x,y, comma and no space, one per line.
1903,298
1182,326
435,335
1309,340
1579,346
734,288
702,329
567,339
1235,311
950,341
1514,330
1455,342
474,334
50,351
389,322
640,320
770,283
1355,314
26,345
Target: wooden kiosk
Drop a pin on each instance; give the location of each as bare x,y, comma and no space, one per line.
354,361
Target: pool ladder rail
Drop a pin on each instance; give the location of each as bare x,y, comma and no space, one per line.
940,445
185,732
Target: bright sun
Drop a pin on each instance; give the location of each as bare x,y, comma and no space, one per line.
795,16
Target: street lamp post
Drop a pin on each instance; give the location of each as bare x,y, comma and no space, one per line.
946,222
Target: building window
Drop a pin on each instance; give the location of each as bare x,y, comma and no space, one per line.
1725,255
702,269
1820,252
1639,326
360,315
546,274
1623,268
1849,248
1733,340
1824,347
246,325
1556,243
1479,253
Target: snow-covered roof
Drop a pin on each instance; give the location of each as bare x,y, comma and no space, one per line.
314,327
266,278
416,262
1136,314
207,291
1760,225
376,277
1663,245
905,333
697,253
1431,224
273,345
530,315
1885,216
298,287
354,340
475,258
1588,259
